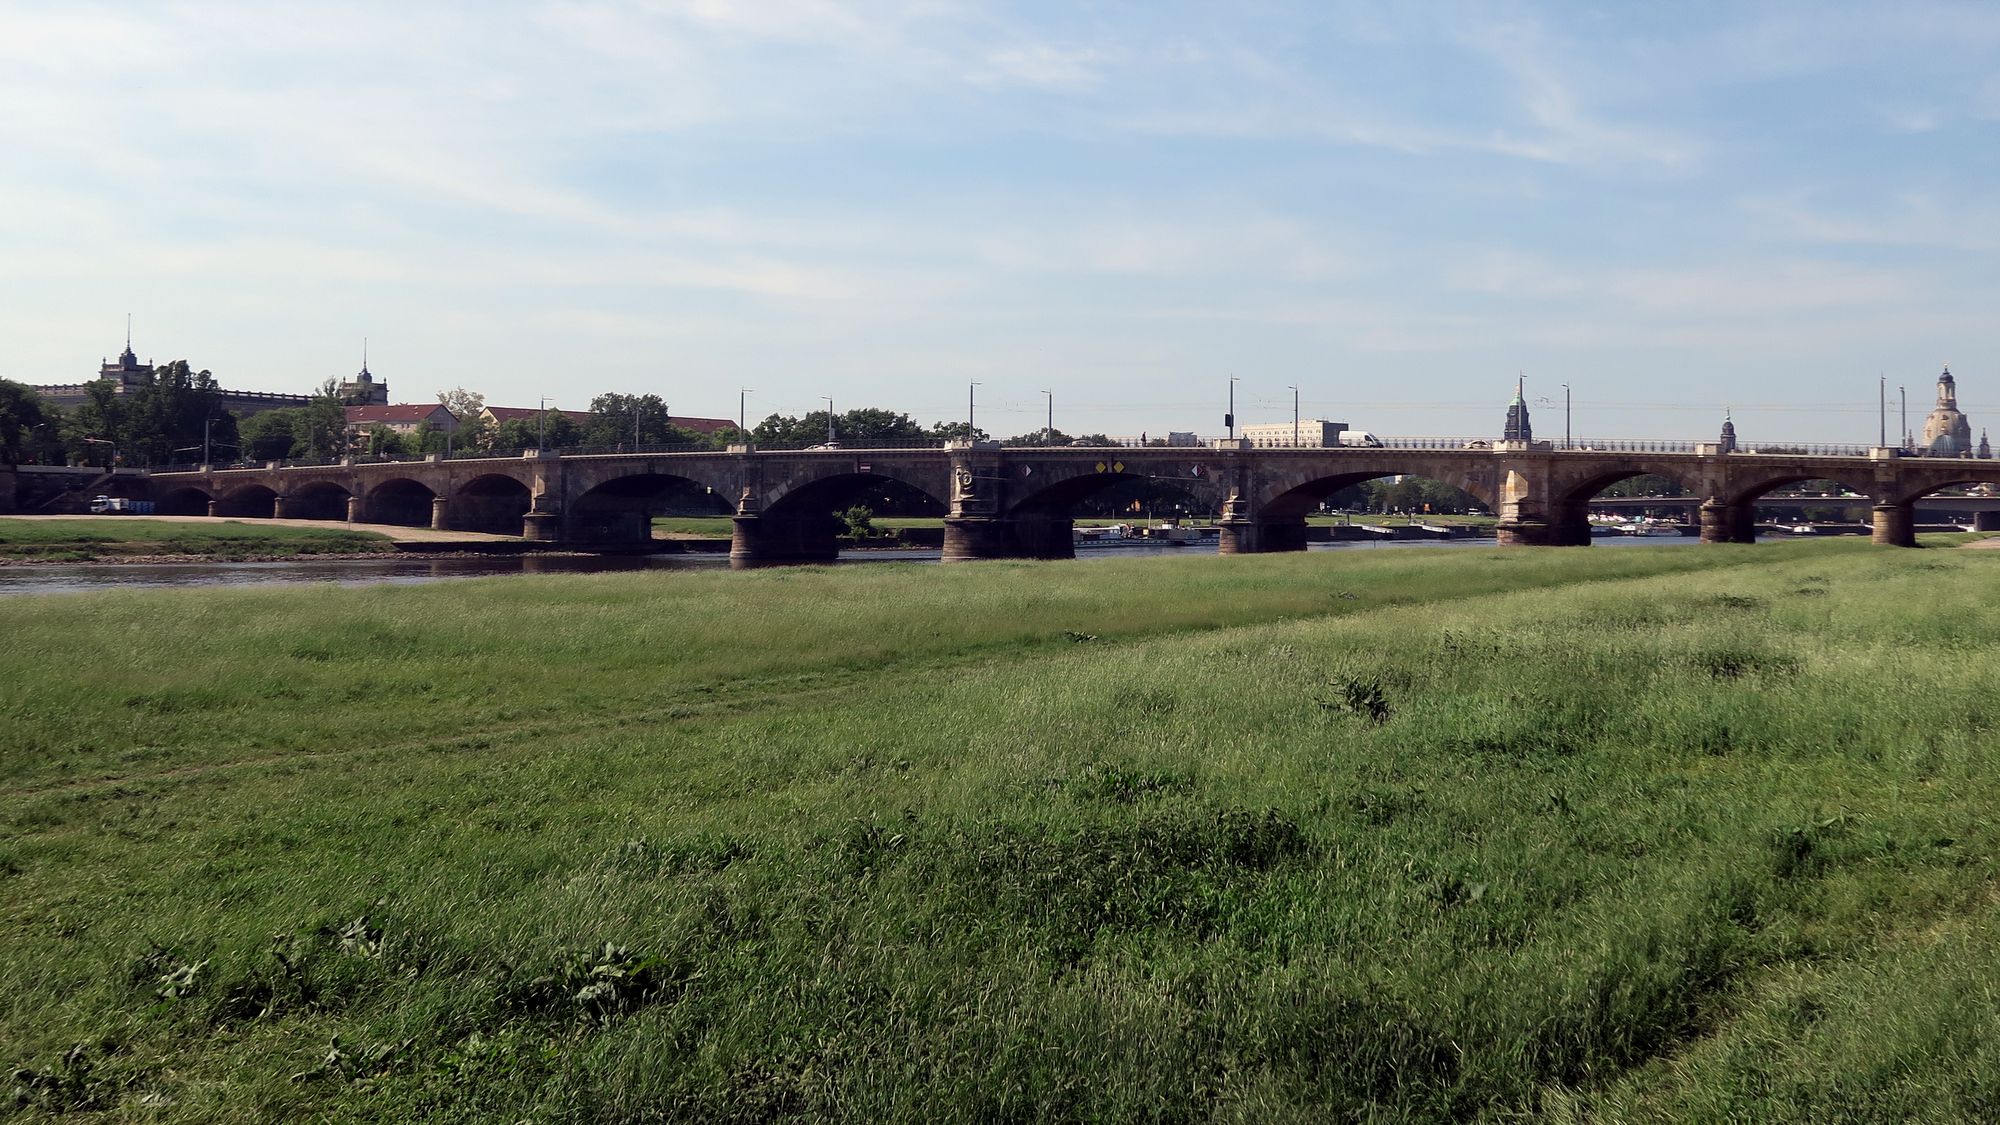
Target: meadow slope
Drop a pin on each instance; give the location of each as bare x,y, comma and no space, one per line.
1689,833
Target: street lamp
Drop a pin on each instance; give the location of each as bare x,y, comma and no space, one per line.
969,431
1229,419
742,418
1050,436
829,419
541,417
1295,415
1566,444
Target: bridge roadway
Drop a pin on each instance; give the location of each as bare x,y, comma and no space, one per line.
1015,502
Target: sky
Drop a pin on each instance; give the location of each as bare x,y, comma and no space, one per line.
1664,211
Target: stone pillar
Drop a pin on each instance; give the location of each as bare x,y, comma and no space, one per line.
1894,526
277,507
1237,533
1720,522
1523,520
212,507
356,510
541,527
438,506
972,538
1523,533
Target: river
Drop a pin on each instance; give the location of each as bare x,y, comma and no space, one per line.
71,578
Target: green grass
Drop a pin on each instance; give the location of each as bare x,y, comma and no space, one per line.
1674,834
116,536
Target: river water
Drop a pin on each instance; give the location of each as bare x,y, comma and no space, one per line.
70,578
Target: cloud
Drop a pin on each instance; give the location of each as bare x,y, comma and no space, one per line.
1041,66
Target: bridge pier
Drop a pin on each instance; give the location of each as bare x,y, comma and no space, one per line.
760,540
213,508
1894,526
1523,532
357,510
1727,523
541,527
277,507
438,509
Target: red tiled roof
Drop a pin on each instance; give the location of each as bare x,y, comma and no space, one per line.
703,425
404,412
528,414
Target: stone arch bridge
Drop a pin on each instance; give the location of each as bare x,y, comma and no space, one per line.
1015,502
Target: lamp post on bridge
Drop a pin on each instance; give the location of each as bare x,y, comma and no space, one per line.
1049,435
1294,388
1566,441
1229,419
829,419
969,430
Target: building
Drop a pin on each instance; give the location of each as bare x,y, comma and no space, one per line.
365,390
1518,427
402,419
1947,433
1312,433
128,377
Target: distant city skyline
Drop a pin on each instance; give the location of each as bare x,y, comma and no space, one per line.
1395,209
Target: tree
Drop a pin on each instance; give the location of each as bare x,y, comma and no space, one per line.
617,419
555,431
320,429
852,428
954,431
269,435
385,442
462,403
23,425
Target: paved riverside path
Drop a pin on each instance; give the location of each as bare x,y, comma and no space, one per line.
398,532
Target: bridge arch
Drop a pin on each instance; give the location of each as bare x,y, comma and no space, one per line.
492,503
402,501
1948,479
317,500
621,508
184,501
1746,494
252,501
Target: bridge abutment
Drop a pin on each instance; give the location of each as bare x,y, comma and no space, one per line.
1895,526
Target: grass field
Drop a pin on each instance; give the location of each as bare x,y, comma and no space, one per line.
85,539
1675,834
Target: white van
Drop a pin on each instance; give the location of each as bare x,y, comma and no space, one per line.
1359,439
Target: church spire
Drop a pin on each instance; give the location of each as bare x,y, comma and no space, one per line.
1985,451
1728,441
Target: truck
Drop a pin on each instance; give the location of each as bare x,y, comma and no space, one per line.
118,505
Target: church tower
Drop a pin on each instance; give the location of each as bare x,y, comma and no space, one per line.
1517,418
1727,444
1947,433
1985,451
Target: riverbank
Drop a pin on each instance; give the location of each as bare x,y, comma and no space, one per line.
1417,835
